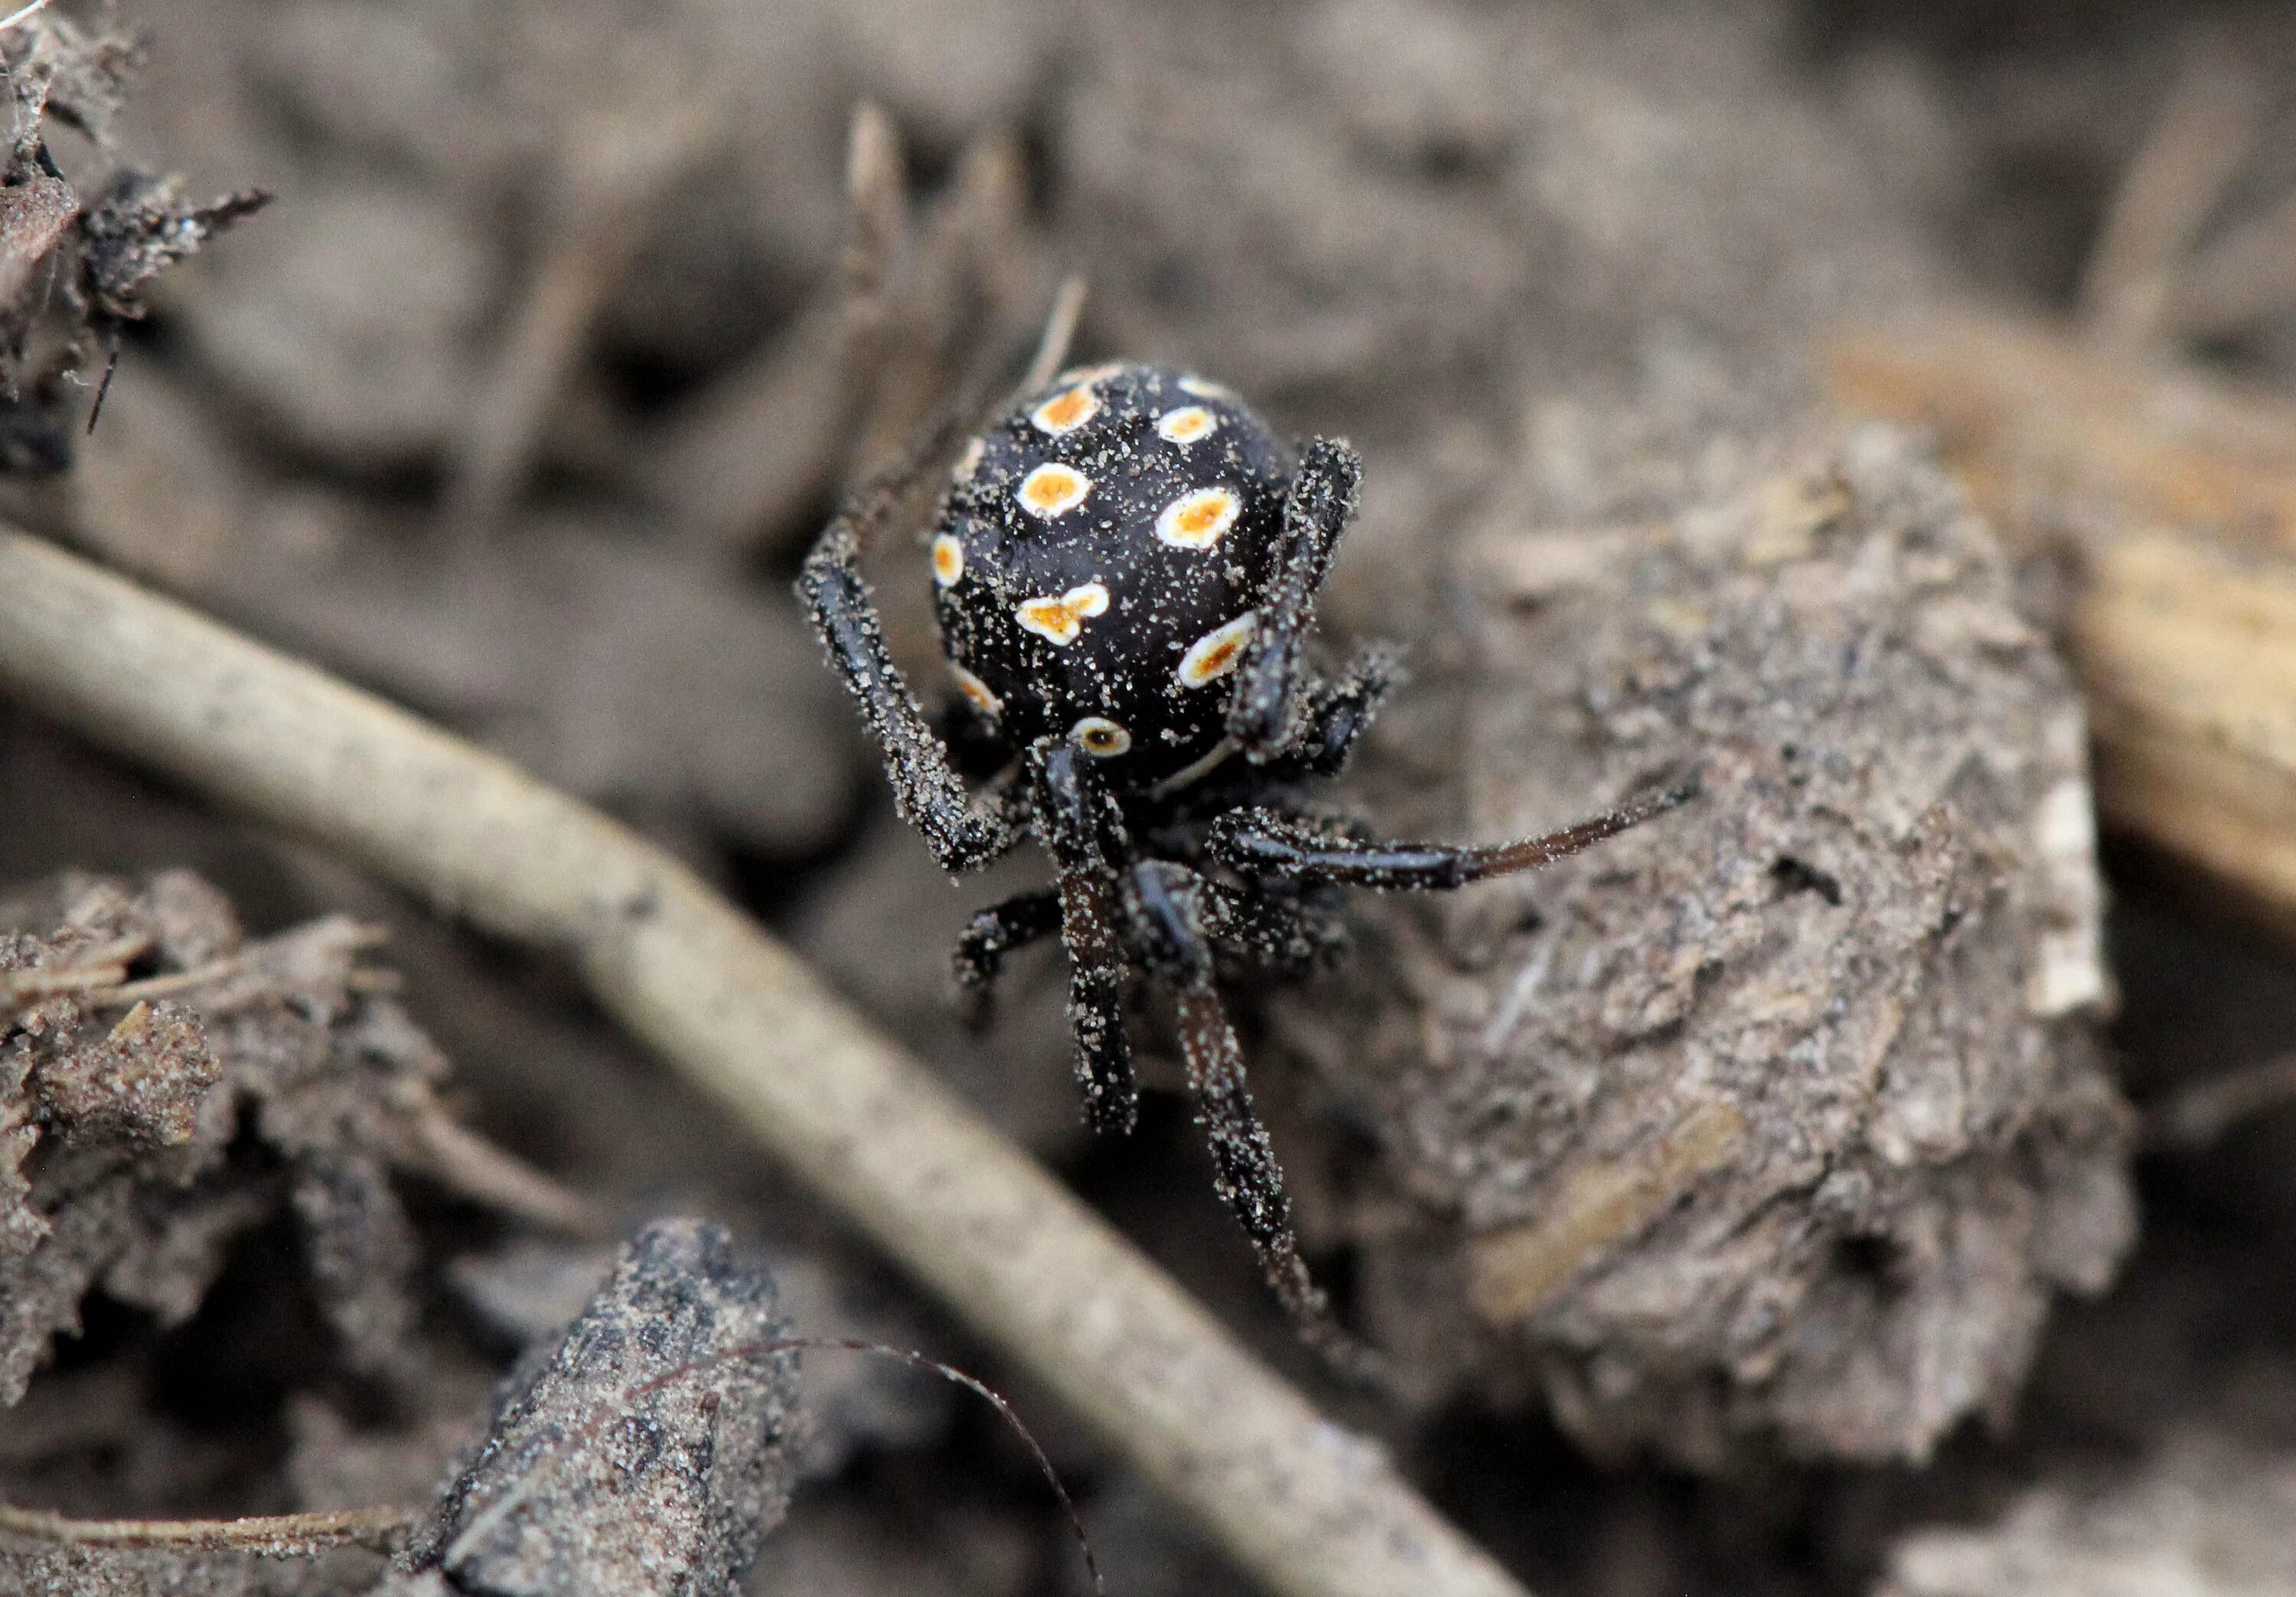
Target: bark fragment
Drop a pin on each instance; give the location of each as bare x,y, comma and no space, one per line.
1774,1123
649,1452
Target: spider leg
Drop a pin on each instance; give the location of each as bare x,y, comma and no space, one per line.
1264,716
926,790
1078,821
993,933
1272,927
1261,843
1169,908
1339,711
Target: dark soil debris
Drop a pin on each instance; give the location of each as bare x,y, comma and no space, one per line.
123,1110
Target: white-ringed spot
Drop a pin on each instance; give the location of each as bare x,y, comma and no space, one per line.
968,462
1215,653
1196,521
1066,410
1100,737
1053,489
1061,620
983,697
1202,389
948,560
1187,424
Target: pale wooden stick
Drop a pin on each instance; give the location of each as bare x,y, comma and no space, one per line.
1308,1507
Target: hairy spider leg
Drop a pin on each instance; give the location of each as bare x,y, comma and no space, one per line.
927,792
994,932
1262,925
1168,904
1264,714
1262,843
1078,824
1339,711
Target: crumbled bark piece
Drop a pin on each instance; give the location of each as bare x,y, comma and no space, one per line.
141,226
117,1111
1774,1123
651,1451
37,207
78,74
532,1289
102,255
141,1082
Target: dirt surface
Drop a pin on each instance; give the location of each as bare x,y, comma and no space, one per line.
1755,1205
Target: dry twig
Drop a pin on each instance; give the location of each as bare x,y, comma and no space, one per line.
1310,1508
754,450
2205,131
464,1162
2198,1116
1060,332
606,197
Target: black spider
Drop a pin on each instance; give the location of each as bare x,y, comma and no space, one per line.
1125,568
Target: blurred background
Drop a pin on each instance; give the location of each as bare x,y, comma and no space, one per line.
567,325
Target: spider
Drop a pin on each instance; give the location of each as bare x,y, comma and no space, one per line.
1124,568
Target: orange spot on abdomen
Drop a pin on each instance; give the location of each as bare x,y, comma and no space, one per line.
1219,658
947,560
1214,654
1051,489
1065,410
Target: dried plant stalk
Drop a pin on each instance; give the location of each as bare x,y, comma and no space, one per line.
275,1535
1307,1506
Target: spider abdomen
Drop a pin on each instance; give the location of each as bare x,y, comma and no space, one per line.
1099,562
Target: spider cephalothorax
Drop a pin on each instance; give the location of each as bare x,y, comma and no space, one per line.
1125,570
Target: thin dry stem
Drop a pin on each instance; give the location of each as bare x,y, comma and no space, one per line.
877,209
748,456
2247,275
105,965
443,1148
276,1535
2204,132
1308,1507
2200,1115
607,193
1060,332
